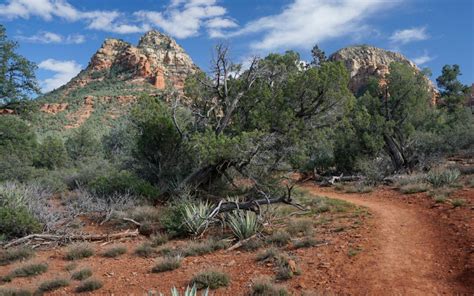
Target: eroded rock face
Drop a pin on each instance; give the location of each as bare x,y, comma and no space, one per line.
54,107
157,60
364,62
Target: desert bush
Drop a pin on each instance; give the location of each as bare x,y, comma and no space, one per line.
244,225
279,238
17,222
159,239
15,292
286,267
414,188
51,153
173,219
12,255
458,202
167,264
404,180
17,147
306,242
374,169
52,285
145,250
268,254
27,270
82,274
204,247
443,177
300,226
358,188
148,214
196,216
210,279
263,287
114,251
122,182
79,251
89,286
252,244
71,266
82,143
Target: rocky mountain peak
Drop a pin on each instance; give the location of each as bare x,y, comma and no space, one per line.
157,60
364,62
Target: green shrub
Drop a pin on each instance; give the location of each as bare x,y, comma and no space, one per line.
266,288
443,177
279,238
51,153
17,222
52,285
145,250
82,143
210,279
414,188
89,286
28,270
244,225
167,264
12,255
79,251
173,219
14,292
82,274
70,267
300,226
159,239
122,182
114,251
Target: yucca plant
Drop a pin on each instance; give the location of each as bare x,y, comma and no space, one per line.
244,225
196,217
440,177
189,292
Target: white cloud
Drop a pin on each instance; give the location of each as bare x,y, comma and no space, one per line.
306,22
423,59
185,18
109,21
50,37
409,35
64,71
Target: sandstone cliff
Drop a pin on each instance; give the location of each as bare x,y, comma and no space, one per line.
364,62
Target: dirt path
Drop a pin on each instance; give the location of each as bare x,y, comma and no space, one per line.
406,255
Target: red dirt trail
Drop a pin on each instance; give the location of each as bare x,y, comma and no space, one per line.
409,254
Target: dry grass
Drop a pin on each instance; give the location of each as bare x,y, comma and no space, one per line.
52,285
79,251
167,264
264,287
82,274
279,238
114,251
13,255
145,250
89,285
210,279
27,270
300,226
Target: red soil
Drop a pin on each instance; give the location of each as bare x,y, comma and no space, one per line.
407,246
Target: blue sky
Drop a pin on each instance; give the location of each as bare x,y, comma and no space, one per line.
62,35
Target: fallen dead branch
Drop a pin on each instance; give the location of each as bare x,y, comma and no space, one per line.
240,243
44,239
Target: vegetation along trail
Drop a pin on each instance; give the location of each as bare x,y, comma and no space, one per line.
406,256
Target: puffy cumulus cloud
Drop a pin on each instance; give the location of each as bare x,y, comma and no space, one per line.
185,18
63,72
306,22
50,37
109,21
409,35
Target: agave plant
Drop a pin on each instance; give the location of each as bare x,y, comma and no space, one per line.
244,224
189,292
439,177
196,217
